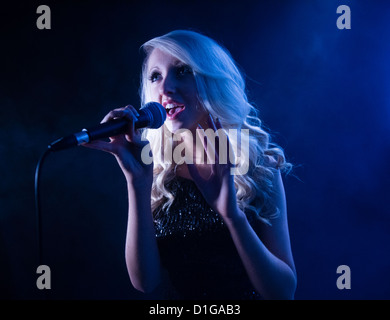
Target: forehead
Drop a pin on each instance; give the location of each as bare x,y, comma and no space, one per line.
160,59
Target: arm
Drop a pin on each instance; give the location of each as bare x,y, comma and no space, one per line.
266,255
268,260
141,252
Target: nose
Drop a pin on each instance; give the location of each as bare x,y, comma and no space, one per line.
169,85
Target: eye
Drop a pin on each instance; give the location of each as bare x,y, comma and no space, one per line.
154,76
183,70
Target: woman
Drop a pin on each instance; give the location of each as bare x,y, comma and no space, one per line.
195,230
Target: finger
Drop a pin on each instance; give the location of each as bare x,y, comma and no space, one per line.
212,123
218,123
132,110
199,152
134,135
127,112
132,115
99,145
204,142
226,141
208,147
118,113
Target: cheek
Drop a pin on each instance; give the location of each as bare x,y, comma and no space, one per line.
192,89
191,97
154,93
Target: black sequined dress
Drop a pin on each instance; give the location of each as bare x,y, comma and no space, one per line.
197,251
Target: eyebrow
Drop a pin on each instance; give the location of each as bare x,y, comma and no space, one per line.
153,69
176,63
179,63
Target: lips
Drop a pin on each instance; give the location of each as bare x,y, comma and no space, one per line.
173,110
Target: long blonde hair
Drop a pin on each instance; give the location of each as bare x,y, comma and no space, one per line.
221,91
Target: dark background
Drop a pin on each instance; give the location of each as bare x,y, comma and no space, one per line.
323,92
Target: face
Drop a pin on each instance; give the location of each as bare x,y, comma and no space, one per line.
171,83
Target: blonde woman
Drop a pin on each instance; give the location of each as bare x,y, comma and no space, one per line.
197,229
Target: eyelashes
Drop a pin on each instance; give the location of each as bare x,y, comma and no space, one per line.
181,71
154,76
184,69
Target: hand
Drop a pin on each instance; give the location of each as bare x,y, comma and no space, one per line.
126,147
218,188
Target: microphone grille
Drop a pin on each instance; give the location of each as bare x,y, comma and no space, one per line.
156,113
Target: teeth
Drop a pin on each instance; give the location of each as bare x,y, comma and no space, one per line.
169,106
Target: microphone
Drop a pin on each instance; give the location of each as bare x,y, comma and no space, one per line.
151,115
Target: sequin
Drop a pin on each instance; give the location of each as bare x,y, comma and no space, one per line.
196,249
188,213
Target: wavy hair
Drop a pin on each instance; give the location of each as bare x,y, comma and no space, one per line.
222,92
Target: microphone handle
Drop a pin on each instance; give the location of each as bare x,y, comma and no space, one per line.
104,130
116,126
107,129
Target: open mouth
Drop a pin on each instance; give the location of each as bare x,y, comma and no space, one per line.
173,110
